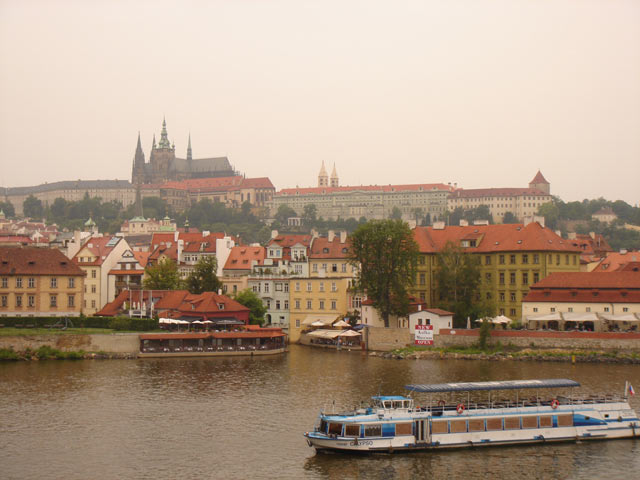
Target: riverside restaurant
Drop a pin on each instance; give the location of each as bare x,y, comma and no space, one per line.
248,340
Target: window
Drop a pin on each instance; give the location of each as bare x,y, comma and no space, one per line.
606,309
423,279
286,304
525,278
54,282
557,259
552,309
278,287
308,304
536,277
93,273
334,267
575,259
4,300
334,287
570,309
19,282
31,283
501,296
512,259
93,289
525,258
297,323
487,277
268,305
308,286
321,287
535,309
588,309
344,268
501,259
19,301
422,260
5,282
315,267
297,286
266,288
501,278
625,309
536,259
53,301
502,311
324,267
297,304
93,304
334,305
487,260
512,296
566,259
321,305
286,288
31,301
512,278
277,304
71,300
512,312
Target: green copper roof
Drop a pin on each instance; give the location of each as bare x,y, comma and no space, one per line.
90,223
138,219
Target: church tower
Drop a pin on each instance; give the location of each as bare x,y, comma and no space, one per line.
137,172
162,157
323,178
334,177
540,183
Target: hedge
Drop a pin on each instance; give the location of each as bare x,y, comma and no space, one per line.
116,323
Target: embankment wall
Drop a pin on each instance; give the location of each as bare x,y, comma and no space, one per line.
120,343
387,339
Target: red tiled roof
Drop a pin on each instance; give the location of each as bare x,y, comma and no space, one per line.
493,238
615,261
587,287
437,311
321,247
221,184
573,280
539,178
141,257
590,245
291,240
368,188
241,257
126,272
36,261
495,192
23,239
98,248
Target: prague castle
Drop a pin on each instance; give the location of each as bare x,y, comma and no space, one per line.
164,166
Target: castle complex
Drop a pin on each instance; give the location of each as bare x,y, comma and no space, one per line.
164,166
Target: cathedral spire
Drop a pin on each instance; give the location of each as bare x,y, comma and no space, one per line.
139,156
164,139
153,145
189,156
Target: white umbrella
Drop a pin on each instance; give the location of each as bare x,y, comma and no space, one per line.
198,322
349,333
341,323
207,321
317,324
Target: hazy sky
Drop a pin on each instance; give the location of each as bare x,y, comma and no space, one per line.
478,92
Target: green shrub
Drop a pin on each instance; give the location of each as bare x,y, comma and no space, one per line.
8,354
120,323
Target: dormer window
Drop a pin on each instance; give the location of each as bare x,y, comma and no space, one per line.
221,306
325,250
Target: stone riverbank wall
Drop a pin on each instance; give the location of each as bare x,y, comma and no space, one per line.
115,343
387,339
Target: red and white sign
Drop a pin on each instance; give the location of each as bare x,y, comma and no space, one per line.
424,335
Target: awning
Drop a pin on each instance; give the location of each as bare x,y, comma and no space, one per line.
326,320
550,317
580,317
325,333
317,323
501,319
350,333
625,317
503,385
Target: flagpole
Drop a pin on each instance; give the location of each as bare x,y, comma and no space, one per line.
626,389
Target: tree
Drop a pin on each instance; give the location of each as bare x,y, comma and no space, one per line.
32,207
396,214
59,208
7,208
162,276
458,280
509,217
204,278
551,213
418,213
309,214
249,299
387,256
284,213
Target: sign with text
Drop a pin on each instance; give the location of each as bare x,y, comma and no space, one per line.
424,335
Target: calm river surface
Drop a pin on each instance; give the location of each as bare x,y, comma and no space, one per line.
244,418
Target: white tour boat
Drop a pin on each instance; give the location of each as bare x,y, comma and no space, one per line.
469,415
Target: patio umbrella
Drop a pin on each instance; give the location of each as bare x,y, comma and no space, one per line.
317,323
341,323
349,333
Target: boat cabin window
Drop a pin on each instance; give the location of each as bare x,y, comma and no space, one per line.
351,430
476,425
373,430
565,420
494,424
440,427
458,426
387,404
511,423
529,422
398,404
403,429
323,426
335,428
546,421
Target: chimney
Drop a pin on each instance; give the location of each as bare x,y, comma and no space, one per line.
176,234
571,235
274,233
464,223
331,235
592,235
343,236
314,233
559,233
438,225
623,251
180,247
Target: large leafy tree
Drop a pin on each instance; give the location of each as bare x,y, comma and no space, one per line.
309,214
249,299
458,281
7,208
32,207
387,256
162,276
203,278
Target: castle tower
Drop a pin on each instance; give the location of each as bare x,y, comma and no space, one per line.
334,177
323,178
162,157
540,183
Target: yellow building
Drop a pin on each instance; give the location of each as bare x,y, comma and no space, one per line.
37,282
327,288
512,258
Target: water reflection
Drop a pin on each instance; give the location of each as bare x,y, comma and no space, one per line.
244,418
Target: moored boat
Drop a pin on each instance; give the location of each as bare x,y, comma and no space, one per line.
469,414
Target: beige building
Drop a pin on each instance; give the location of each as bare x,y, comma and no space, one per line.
72,191
97,257
600,301
521,202
37,282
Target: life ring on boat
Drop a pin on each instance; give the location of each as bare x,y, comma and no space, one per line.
460,408
441,403
554,403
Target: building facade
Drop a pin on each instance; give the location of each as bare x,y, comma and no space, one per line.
39,282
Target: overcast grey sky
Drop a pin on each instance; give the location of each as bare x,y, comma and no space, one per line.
479,92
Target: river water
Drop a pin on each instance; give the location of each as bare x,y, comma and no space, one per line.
244,418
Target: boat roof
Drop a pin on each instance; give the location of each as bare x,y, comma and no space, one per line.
501,385
389,397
